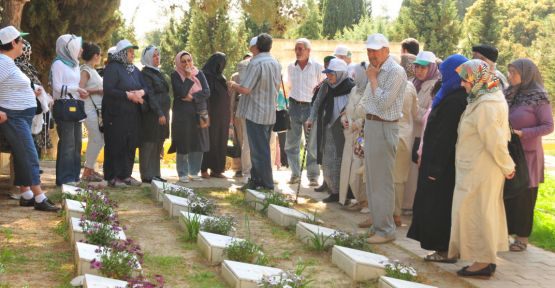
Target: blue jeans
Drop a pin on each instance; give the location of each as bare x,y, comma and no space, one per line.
68,159
188,164
259,142
299,114
17,131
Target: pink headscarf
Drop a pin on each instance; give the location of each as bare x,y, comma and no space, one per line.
433,74
182,72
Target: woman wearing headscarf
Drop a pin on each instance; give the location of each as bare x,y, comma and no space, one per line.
482,162
425,77
352,121
189,139
330,101
40,127
531,118
154,121
92,82
65,74
124,89
218,111
431,218
17,108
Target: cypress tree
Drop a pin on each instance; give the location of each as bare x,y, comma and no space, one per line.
462,5
311,27
341,14
481,25
269,16
173,39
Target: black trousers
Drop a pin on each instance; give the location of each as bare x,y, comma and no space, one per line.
520,213
121,138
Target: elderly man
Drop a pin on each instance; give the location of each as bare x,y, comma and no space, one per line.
259,89
489,55
384,93
302,76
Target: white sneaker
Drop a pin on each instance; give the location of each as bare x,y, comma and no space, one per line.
184,179
365,210
245,179
195,178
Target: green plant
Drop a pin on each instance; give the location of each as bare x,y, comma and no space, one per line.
276,199
99,234
8,234
286,279
201,205
222,225
99,208
61,228
320,242
192,227
312,218
355,241
2,268
400,271
120,260
245,251
180,192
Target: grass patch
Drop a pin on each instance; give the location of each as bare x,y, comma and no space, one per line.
201,278
544,216
279,233
61,229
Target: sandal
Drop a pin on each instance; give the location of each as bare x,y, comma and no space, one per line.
436,257
518,246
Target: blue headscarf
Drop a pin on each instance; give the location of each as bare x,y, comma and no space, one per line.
450,79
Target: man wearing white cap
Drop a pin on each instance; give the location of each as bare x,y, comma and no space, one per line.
302,76
385,90
259,89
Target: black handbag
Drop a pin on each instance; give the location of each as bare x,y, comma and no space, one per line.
233,147
283,122
68,109
521,181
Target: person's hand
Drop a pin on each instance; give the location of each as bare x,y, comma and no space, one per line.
232,85
308,124
140,93
345,123
188,98
3,117
162,120
83,93
518,133
133,97
511,176
415,148
432,178
372,72
38,91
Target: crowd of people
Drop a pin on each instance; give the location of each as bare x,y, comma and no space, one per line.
395,135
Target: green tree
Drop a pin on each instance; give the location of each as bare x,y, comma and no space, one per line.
46,20
269,16
311,27
214,33
365,27
543,54
174,38
462,5
432,23
341,14
481,25
122,31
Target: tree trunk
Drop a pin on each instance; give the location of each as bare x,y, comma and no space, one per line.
11,15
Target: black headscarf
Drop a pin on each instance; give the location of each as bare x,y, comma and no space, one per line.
215,66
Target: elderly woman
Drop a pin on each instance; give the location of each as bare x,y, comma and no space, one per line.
154,122
17,109
65,76
124,88
189,140
353,120
92,82
482,162
330,101
531,118
431,218
218,110
425,78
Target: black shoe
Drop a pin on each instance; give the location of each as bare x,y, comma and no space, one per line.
249,185
322,188
159,179
332,198
486,272
493,267
47,206
26,203
238,174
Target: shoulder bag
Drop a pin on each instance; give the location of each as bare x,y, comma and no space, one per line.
519,184
283,122
68,109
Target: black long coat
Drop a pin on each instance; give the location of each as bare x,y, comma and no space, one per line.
157,104
431,220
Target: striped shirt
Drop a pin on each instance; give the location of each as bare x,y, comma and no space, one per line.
302,81
15,87
386,101
262,77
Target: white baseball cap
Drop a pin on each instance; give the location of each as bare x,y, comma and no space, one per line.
112,50
253,41
124,44
377,41
336,65
342,50
425,58
10,33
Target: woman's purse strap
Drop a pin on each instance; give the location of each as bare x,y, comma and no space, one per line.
284,95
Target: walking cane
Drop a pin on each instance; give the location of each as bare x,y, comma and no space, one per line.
307,136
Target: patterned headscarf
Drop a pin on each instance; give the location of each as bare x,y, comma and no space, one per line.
194,72
531,90
433,74
483,81
450,79
121,57
68,47
148,54
24,63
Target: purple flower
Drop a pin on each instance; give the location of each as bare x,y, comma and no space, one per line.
96,264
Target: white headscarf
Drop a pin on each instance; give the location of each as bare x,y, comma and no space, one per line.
68,47
146,58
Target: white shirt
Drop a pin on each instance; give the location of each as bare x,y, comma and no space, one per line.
15,87
65,75
301,82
